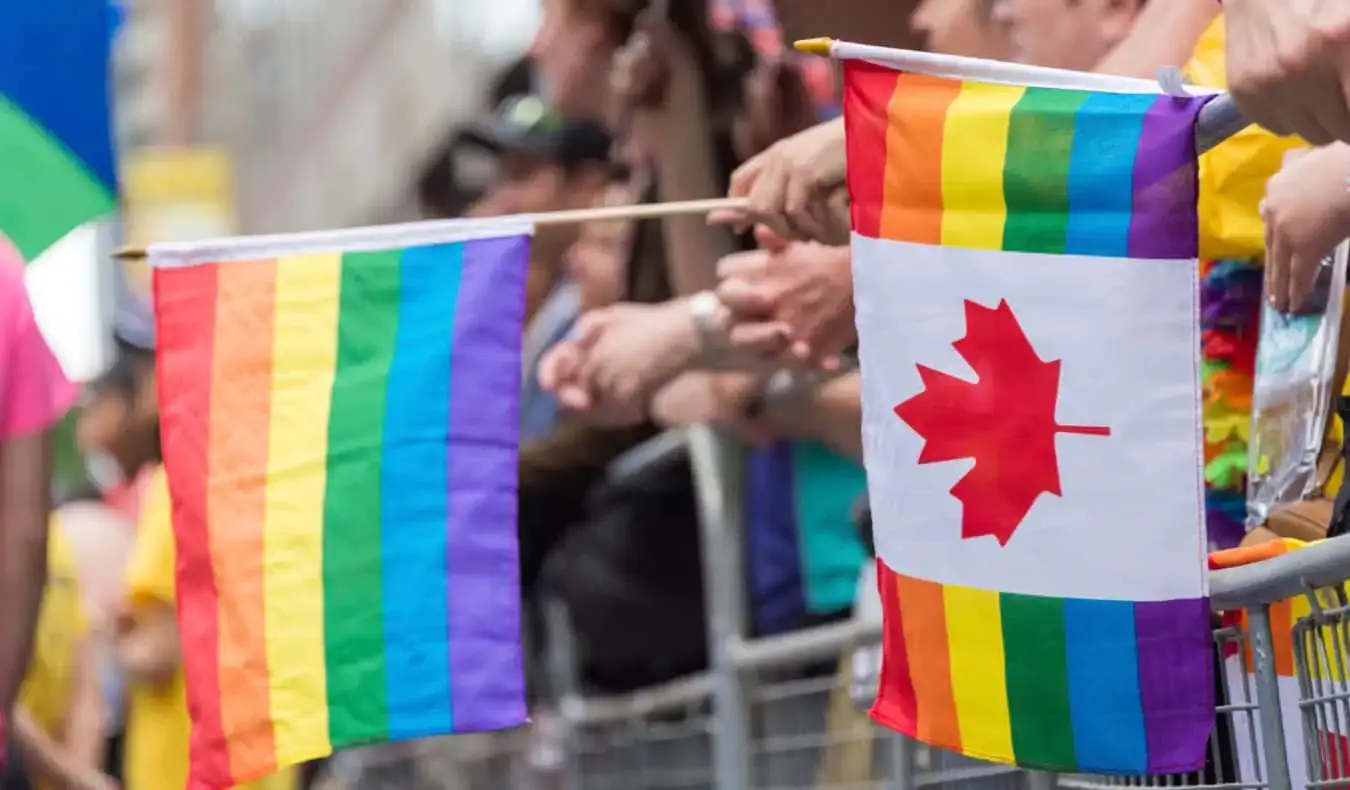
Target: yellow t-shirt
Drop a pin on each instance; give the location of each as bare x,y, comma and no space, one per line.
1233,175
62,623
158,727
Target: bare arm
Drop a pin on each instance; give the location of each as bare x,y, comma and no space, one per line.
25,469
75,760
41,754
687,168
85,732
832,417
1164,35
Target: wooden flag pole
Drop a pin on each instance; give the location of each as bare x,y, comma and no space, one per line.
601,214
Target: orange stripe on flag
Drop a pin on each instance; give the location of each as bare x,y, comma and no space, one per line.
913,201
925,626
240,419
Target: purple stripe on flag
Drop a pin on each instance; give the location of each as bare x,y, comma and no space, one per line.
1176,682
486,671
1165,223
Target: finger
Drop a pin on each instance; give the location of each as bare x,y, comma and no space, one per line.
768,340
837,217
590,327
766,198
751,264
797,205
744,301
1303,273
555,366
729,216
744,177
575,398
1277,261
768,240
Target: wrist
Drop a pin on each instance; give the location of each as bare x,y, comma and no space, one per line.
710,321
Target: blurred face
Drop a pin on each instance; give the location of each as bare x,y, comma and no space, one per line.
117,434
526,184
960,27
1068,34
571,54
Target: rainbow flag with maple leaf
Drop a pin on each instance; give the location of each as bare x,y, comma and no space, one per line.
1025,263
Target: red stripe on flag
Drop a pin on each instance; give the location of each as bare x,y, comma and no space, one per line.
185,318
868,89
895,706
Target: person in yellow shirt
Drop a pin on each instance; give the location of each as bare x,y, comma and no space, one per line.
156,756
59,721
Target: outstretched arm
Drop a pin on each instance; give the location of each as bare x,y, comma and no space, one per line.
1164,35
25,468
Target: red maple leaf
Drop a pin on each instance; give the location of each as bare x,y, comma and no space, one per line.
1005,421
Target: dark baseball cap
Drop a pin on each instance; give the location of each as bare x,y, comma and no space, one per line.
525,124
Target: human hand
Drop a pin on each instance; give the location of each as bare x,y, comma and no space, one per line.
790,301
720,399
653,74
1289,65
795,187
1306,213
620,355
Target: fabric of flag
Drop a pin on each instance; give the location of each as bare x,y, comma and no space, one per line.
340,429
1025,266
1323,676
55,119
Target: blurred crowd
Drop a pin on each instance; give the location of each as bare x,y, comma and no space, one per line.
742,320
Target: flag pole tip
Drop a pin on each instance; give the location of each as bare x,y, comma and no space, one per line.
814,46
128,254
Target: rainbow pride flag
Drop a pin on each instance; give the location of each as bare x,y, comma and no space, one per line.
56,135
1026,277
340,427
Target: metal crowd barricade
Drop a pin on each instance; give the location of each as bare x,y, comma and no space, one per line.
789,732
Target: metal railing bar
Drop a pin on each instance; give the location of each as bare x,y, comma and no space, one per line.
814,644
1322,564
672,696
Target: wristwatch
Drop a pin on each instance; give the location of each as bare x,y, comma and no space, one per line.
709,321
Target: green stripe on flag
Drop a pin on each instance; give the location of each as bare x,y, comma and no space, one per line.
1036,656
1036,171
45,192
353,582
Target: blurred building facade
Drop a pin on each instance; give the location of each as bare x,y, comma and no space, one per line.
328,112
331,111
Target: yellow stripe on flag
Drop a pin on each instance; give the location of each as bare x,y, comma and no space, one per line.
974,146
304,357
979,681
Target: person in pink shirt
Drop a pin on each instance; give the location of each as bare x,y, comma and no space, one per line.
34,395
